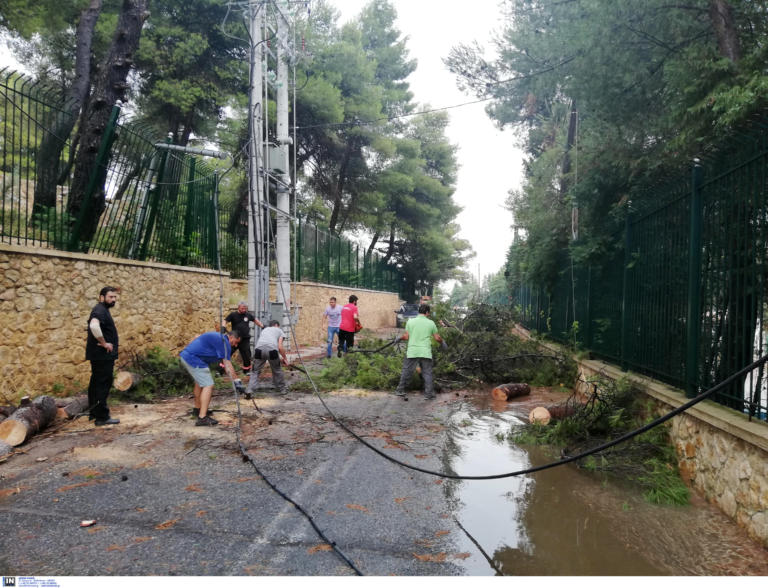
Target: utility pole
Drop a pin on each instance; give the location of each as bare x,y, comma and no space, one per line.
284,140
258,266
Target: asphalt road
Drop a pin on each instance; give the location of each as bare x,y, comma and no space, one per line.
170,498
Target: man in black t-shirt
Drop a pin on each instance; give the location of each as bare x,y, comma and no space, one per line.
101,351
241,320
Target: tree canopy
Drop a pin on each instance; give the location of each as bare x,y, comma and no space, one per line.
369,163
609,95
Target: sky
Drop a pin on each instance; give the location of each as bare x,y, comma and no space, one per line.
490,165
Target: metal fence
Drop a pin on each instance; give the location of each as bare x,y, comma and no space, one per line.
323,257
141,200
682,295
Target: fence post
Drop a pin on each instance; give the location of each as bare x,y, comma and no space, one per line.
625,287
299,252
101,162
317,248
190,212
693,322
154,203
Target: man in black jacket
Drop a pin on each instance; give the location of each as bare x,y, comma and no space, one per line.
101,351
241,321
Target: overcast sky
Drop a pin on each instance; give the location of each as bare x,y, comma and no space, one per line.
490,164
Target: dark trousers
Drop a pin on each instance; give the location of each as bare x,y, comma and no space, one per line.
98,388
244,347
346,340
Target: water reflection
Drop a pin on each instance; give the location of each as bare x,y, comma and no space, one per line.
565,521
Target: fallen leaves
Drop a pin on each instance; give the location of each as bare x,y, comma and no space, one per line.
80,485
432,557
167,524
357,507
193,488
321,547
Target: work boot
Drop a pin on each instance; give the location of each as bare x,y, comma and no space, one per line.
206,421
195,412
102,422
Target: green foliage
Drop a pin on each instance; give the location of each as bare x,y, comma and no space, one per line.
649,459
162,375
648,86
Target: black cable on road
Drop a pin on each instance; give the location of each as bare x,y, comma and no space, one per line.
565,460
238,429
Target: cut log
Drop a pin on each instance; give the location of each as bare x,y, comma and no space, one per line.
5,449
124,381
539,415
76,406
510,391
28,420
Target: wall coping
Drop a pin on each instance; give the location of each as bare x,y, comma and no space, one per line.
91,257
714,414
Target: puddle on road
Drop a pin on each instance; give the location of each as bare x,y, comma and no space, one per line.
565,521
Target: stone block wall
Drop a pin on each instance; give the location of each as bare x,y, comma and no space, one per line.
376,309
728,470
46,298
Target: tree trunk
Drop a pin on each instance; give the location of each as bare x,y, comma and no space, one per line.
109,88
510,391
126,380
28,420
76,406
721,15
52,144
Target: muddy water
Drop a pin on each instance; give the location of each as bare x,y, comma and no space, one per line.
565,521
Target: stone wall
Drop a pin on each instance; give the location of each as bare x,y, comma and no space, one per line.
46,298
376,309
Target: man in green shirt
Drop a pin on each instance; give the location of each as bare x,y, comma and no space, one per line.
419,332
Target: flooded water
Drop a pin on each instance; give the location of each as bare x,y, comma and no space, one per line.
566,521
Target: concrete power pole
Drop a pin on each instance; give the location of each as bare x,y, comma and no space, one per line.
258,264
283,237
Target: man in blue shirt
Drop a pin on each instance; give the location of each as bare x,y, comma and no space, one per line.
208,348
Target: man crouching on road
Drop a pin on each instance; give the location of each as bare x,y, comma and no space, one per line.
269,348
419,332
208,348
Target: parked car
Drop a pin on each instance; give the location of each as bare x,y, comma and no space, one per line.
405,312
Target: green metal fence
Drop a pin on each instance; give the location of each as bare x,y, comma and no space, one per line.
141,200
682,297
322,257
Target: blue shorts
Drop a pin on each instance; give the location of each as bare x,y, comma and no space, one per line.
201,375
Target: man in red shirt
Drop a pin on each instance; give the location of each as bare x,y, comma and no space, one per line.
350,323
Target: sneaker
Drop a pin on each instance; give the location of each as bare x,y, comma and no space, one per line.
206,421
195,412
102,422
281,391
429,397
338,354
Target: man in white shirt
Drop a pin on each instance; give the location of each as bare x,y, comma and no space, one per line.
269,348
